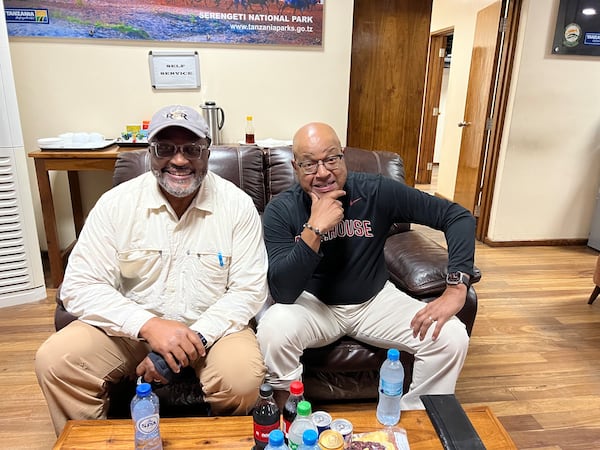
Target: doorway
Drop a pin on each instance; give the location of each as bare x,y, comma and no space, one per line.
478,159
433,117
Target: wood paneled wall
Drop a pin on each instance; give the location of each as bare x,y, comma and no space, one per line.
387,76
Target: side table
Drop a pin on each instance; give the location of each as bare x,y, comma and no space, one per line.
71,161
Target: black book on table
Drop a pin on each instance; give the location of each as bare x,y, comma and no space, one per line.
451,423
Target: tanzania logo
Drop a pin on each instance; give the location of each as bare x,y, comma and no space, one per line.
572,35
26,15
177,115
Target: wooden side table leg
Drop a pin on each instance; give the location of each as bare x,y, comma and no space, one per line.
76,205
594,295
48,213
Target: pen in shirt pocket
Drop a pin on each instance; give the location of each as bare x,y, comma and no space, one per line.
220,256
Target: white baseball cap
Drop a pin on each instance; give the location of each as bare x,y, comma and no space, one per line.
178,116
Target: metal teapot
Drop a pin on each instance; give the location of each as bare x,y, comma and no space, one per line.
215,118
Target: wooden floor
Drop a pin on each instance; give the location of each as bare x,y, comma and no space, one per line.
534,356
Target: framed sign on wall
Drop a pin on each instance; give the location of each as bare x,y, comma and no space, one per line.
174,69
577,29
251,22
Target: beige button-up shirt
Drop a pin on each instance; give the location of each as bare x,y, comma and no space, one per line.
135,259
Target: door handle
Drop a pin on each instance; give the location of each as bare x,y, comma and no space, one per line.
464,124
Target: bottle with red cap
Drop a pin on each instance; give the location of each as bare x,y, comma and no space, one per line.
291,405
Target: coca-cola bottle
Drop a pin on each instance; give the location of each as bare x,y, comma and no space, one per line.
291,405
266,416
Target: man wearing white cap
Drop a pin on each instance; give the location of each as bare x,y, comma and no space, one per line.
170,267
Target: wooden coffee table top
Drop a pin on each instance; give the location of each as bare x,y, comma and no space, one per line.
236,432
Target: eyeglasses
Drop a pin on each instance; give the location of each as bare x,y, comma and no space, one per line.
164,150
330,163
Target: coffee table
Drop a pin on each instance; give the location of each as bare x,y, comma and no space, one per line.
224,433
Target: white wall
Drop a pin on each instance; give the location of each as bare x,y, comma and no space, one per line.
83,85
550,166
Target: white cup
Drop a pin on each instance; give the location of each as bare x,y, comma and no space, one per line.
80,138
67,138
96,138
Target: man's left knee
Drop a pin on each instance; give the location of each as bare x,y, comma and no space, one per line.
454,336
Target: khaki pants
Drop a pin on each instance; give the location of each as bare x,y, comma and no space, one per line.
75,365
383,321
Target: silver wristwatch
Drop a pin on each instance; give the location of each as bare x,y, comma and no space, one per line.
454,278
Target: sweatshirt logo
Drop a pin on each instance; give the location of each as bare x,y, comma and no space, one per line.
352,202
348,228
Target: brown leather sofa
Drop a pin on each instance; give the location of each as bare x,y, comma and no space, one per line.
346,369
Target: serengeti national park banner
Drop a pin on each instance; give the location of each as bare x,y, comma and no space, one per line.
268,22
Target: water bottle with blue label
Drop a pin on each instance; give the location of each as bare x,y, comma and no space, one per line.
146,418
391,381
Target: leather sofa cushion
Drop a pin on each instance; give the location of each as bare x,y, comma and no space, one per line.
246,173
279,173
417,264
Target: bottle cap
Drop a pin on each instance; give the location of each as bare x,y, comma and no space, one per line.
309,437
248,117
266,390
304,408
143,389
276,438
393,354
296,388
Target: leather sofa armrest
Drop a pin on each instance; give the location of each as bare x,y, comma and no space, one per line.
62,317
417,264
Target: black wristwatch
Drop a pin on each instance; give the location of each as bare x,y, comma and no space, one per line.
203,339
454,278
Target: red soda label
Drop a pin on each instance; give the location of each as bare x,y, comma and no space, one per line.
286,426
261,432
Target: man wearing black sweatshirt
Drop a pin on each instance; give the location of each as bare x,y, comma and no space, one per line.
327,274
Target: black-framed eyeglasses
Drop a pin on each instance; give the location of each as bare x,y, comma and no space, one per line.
331,163
163,150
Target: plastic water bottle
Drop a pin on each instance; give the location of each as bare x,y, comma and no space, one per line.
266,417
291,405
301,423
391,381
146,418
276,441
309,440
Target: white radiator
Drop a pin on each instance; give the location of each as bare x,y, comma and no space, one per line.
21,272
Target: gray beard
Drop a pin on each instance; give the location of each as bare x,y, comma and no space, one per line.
178,191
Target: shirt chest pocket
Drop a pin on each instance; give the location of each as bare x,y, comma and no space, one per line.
140,268
208,273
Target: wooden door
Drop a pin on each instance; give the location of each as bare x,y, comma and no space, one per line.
431,105
387,77
477,108
511,14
